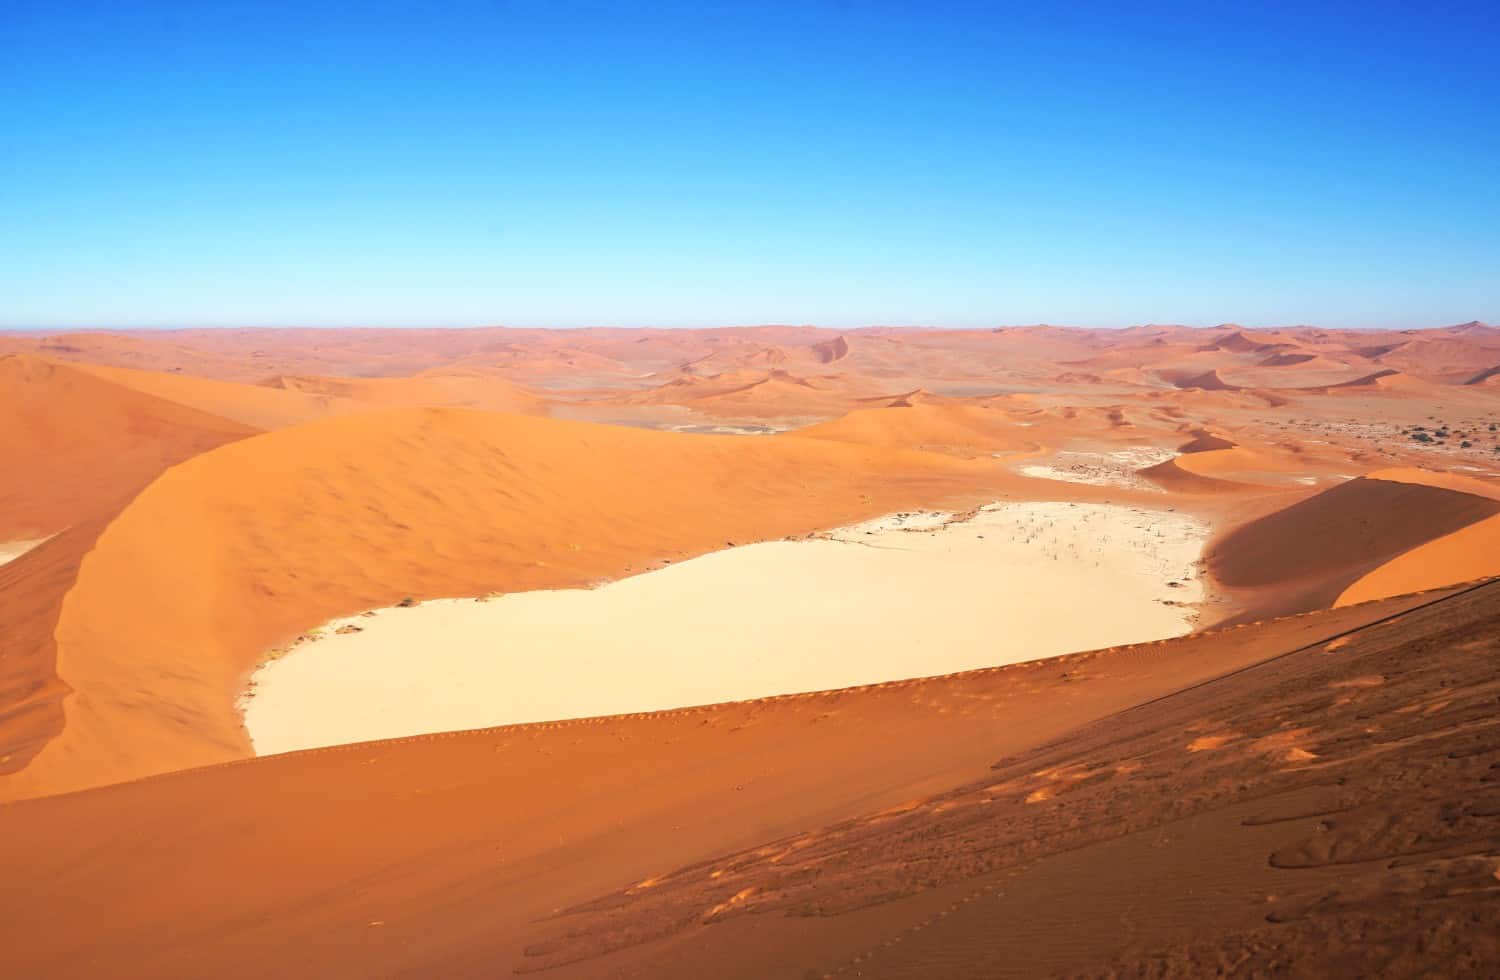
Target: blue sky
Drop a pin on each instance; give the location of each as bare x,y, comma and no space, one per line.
687,164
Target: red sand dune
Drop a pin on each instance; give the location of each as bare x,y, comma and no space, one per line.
1389,380
1306,555
1171,475
1291,359
1237,461
1204,441
1207,381
74,444
254,405
1156,810
1442,353
1471,552
240,549
752,394
740,358
32,592
908,421
430,389
829,351
1240,343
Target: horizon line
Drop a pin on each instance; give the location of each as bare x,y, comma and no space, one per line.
1042,325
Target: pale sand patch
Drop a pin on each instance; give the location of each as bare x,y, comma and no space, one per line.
880,601
1118,468
11,550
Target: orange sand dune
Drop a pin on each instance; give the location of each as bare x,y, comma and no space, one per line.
1207,381
1236,460
288,400
147,350
879,831
32,588
952,428
1447,481
254,405
1471,552
1489,376
239,549
752,394
1439,353
533,363
1171,475
1205,441
73,444
431,389
739,355
829,351
1306,555
1295,358
1388,380
1240,343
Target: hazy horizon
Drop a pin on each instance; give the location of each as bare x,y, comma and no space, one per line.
1223,324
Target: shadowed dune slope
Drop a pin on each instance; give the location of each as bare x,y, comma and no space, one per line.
239,550
1173,476
1207,381
1469,553
31,596
1072,801
1304,556
73,444
1204,441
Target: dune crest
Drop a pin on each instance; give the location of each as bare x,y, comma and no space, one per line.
75,444
1306,555
240,549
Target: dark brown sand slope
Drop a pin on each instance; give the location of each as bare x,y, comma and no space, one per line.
1320,788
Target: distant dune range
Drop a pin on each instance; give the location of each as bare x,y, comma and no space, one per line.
207,560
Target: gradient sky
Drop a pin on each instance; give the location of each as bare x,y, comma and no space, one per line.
560,164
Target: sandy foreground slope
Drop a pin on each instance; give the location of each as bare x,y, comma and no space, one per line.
239,550
1171,804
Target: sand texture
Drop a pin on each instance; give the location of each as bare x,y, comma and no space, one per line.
1148,805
